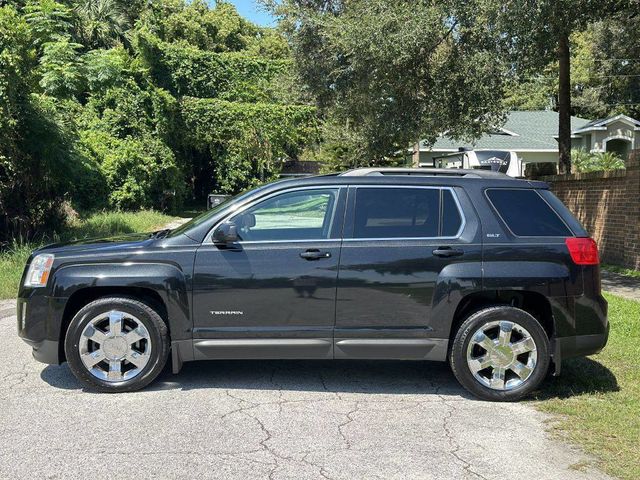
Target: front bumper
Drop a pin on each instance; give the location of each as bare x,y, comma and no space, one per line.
39,325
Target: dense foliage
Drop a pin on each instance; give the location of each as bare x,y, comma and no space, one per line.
386,74
605,73
135,104
129,104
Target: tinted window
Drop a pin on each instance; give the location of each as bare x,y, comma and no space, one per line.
527,214
299,215
451,219
402,212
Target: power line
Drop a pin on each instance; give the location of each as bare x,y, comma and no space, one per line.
615,104
616,76
554,77
616,59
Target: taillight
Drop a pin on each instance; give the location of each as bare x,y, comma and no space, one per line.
583,251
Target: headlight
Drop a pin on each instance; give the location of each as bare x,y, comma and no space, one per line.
39,270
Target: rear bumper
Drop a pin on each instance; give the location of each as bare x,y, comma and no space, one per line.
591,331
581,345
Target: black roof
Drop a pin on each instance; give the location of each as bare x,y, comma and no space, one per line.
427,172
411,176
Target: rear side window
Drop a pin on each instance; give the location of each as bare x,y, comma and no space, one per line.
527,214
405,213
451,219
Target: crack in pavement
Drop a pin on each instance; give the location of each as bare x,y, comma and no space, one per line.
277,457
350,420
455,446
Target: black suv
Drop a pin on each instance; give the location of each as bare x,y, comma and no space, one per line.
488,272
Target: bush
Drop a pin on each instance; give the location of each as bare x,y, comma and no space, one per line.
583,161
246,142
540,169
142,173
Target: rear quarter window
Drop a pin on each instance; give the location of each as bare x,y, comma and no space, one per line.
526,213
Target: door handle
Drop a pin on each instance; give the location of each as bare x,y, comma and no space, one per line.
447,252
313,254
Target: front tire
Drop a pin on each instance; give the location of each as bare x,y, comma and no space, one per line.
500,354
116,344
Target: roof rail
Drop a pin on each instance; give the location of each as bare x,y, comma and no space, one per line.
427,172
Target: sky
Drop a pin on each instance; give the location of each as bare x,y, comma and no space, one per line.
251,10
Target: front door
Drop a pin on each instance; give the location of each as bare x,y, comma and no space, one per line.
399,243
272,295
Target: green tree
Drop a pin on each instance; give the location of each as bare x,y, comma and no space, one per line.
61,68
123,103
392,73
48,20
36,144
101,23
614,58
538,32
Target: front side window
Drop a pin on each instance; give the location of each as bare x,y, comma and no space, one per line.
405,213
526,213
297,215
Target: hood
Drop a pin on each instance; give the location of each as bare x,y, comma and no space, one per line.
95,245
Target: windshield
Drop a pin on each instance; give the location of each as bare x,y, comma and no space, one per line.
203,217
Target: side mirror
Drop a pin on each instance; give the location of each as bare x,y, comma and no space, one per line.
226,234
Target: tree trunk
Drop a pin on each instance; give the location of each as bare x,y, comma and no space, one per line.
564,104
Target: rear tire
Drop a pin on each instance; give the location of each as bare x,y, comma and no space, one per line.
116,344
500,354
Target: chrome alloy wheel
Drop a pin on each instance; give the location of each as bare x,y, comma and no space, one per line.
502,355
115,346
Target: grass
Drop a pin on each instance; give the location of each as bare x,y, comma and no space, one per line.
12,259
598,398
629,272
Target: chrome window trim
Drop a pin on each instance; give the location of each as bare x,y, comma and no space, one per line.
423,187
208,239
495,209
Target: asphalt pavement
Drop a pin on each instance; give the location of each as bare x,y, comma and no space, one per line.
269,420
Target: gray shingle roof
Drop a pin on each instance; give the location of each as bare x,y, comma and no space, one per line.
535,130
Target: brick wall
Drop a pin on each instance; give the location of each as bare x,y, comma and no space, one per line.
608,205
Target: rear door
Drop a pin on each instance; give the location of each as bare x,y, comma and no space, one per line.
406,249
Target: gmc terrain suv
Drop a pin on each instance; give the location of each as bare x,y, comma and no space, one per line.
490,273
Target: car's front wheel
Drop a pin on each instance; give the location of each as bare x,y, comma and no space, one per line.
500,353
116,344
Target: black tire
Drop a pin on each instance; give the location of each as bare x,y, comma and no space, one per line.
144,313
458,353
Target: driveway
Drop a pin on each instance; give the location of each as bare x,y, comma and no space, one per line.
269,419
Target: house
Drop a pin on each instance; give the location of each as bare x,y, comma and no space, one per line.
533,135
619,134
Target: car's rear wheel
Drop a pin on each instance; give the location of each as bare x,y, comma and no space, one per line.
116,344
500,353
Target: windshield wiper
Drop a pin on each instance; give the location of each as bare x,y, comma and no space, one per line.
160,233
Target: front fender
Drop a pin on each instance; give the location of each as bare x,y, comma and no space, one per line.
167,280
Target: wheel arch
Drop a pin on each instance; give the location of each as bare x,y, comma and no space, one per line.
534,303
85,296
162,287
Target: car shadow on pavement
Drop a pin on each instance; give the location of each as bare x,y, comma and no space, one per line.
579,376
349,376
